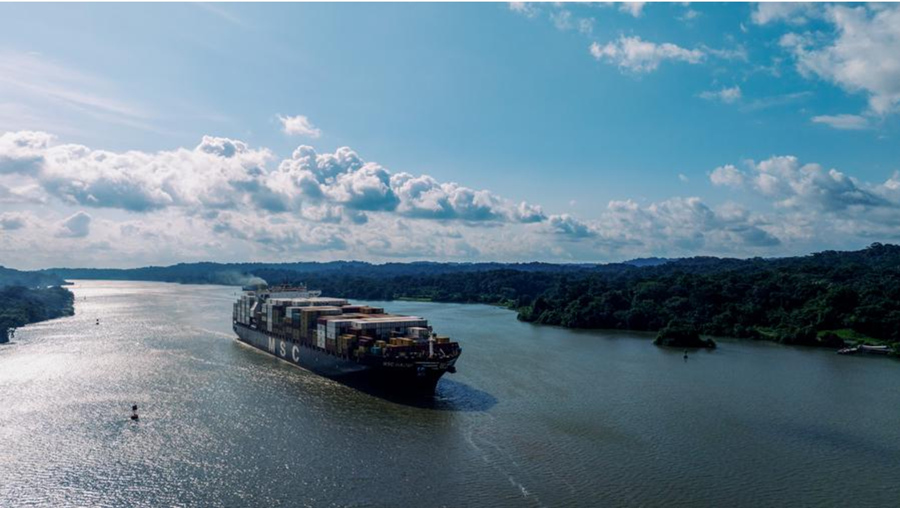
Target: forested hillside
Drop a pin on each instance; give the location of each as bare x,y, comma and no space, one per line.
29,297
10,277
821,299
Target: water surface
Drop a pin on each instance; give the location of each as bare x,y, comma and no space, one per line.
536,416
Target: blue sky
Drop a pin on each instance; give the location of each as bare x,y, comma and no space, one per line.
659,129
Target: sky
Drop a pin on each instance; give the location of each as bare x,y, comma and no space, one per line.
137,134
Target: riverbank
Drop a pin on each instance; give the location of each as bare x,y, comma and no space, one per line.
20,306
828,299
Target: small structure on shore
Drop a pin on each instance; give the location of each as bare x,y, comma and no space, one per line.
865,349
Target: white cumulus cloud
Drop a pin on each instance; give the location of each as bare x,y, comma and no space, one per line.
226,174
569,226
727,175
226,200
299,125
636,55
808,186
862,57
633,8
795,13
207,176
76,226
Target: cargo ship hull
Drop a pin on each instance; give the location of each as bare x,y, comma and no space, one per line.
410,376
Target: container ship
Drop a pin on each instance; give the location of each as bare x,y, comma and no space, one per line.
332,338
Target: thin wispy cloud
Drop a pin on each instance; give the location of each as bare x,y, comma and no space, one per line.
527,9
774,101
562,19
221,12
689,15
843,122
34,80
727,95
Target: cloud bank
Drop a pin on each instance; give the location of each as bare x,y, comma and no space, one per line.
225,200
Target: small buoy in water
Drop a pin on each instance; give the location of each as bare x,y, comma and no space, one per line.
685,354
134,415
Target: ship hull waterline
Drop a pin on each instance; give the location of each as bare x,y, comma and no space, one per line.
402,377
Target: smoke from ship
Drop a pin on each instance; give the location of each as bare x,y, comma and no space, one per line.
233,278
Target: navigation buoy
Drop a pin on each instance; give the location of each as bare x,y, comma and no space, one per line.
685,354
134,415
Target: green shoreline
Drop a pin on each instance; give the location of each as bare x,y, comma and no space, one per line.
21,306
828,299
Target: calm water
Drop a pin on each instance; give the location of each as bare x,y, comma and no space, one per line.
536,416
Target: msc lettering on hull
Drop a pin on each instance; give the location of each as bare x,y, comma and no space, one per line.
331,365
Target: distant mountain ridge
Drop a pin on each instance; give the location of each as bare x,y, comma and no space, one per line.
238,273
243,273
654,261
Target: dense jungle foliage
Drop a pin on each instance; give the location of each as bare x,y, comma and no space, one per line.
827,298
20,306
812,300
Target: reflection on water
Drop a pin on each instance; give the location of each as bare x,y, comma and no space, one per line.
535,416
